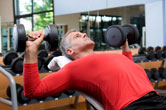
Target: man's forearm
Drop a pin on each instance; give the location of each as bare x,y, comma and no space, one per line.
30,57
125,49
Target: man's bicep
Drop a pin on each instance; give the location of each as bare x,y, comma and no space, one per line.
56,83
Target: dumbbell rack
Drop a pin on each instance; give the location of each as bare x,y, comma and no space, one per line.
13,101
142,58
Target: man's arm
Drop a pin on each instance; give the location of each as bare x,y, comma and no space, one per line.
50,85
33,86
126,51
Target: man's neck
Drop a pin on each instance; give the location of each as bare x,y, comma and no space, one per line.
83,54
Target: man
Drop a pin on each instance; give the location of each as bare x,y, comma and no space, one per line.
112,79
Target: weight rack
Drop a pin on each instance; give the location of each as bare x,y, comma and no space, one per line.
14,103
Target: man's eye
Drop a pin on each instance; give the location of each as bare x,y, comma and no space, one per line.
77,36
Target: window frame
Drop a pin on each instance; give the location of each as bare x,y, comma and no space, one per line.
16,17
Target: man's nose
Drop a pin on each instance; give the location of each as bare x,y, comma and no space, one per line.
84,34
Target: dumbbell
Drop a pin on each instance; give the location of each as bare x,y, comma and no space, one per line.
164,54
15,62
20,94
157,48
56,53
155,74
164,48
116,35
142,51
162,72
158,52
46,61
164,51
69,92
148,73
20,38
41,55
150,55
57,95
150,48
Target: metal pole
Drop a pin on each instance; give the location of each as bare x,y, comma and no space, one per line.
13,88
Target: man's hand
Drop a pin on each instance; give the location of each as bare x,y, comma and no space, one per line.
32,45
34,40
125,47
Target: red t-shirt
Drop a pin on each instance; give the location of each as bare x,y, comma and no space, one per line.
113,79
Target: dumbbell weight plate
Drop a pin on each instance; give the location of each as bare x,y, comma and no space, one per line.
131,32
150,48
164,54
161,72
47,61
158,54
69,92
42,53
57,95
56,53
51,32
18,88
150,55
19,37
157,48
115,36
148,73
21,98
142,51
164,48
17,65
164,73
8,57
155,74
40,63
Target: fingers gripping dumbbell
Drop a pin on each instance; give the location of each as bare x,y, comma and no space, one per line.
20,38
116,35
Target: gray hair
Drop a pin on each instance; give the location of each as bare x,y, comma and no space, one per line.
65,43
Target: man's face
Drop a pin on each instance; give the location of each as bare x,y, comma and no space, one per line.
80,41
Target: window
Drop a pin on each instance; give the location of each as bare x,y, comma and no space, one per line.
34,14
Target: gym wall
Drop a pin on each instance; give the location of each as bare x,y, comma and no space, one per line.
6,11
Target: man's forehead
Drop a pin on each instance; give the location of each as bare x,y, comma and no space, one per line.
72,33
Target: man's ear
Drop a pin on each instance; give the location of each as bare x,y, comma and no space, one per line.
69,51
